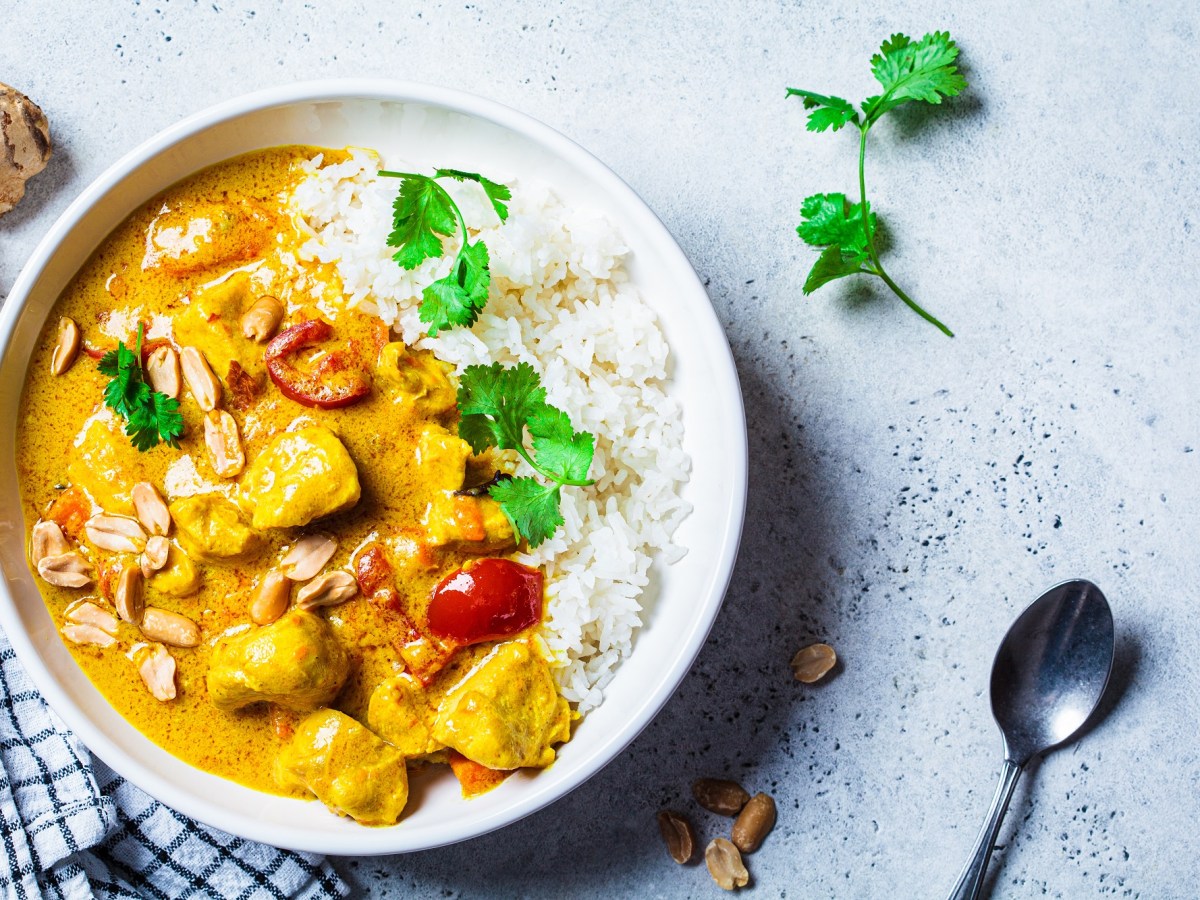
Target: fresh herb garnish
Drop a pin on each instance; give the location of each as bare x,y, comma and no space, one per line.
150,416
498,404
424,213
923,70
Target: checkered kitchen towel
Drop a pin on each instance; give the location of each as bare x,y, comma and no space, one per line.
73,828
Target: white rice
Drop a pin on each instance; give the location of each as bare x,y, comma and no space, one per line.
562,302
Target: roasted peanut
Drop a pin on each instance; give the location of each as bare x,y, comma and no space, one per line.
308,557
47,540
162,369
88,634
754,823
129,596
67,347
170,628
151,508
88,613
328,590
116,533
154,557
157,668
224,443
726,798
270,598
812,663
65,570
261,320
201,380
725,865
677,832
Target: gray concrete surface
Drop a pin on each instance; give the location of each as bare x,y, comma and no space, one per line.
909,493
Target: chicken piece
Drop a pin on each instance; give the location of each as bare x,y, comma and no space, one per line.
179,577
442,458
298,477
416,379
24,144
507,712
104,462
206,235
348,768
296,661
400,713
211,527
212,324
476,524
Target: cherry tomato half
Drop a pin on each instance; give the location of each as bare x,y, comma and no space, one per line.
486,601
334,381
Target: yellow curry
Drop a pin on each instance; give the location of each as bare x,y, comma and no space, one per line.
257,599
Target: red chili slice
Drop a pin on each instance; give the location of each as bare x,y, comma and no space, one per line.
334,381
486,601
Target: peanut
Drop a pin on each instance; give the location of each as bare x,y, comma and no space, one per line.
162,368
261,320
151,508
308,557
87,634
725,865
224,443
157,668
169,628
129,596
812,663
677,832
270,598
155,556
201,380
726,798
88,613
328,590
754,823
116,533
65,570
67,347
47,539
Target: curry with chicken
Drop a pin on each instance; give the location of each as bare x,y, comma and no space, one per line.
304,591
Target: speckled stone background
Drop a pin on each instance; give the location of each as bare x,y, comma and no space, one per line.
909,494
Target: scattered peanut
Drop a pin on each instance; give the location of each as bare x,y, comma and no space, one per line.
261,320
170,628
88,613
157,668
677,832
328,590
65,570
201,380
47,540
155,556
308,557
754,823
116,533
224,443
162,368
67,347
151,508
270,598
726,798
129,596
87,634
725,865
812,663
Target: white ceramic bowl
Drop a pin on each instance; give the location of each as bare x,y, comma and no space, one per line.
429,126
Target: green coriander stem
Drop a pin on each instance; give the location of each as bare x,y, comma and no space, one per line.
871,251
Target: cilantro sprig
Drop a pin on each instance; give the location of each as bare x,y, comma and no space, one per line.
423,214
151,417
498,405
909,71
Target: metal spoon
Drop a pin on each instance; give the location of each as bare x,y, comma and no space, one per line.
1049,675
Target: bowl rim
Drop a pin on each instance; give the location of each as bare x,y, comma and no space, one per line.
373,841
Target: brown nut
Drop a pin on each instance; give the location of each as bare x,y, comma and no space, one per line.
24,144
65,570
330,589
47,539
270,598
200,378
725,865
154,557
157,668
677,833
308,557
87,634
754,823
812,663
725,798
151,509
162,369
129,596
224,443
67,347
261,320
88,613
116,533
169,628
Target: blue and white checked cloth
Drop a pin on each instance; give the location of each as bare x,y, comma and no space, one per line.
73,828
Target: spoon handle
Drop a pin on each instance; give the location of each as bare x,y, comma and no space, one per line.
970,882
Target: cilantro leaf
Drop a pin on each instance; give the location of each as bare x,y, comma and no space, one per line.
923,71
562,452
531,507
827,112
497,401
833,263
497,193
458,298
832,219
150,417
158,419
422,211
